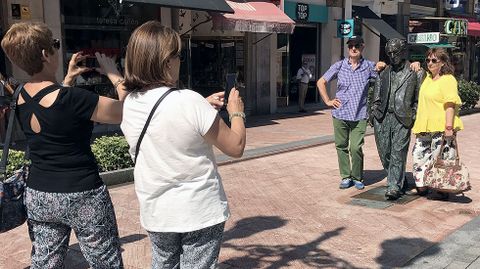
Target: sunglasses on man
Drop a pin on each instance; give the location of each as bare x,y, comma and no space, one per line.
433,60
357,46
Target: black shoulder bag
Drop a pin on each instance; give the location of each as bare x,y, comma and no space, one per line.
12,208
142,134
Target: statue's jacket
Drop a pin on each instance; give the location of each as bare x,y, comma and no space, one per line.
406,95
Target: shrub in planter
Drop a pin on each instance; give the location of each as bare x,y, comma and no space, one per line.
111,153
16,159
469,92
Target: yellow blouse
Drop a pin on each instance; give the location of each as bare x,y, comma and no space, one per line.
432,97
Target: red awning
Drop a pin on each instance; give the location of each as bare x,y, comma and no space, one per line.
473,28
259,17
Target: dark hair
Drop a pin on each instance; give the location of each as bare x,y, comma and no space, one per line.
148,51
442,55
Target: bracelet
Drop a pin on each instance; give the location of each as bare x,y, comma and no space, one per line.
120,80
236,114
449,128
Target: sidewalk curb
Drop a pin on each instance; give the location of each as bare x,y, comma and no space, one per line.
459,249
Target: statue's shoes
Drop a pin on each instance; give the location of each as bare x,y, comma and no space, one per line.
392,195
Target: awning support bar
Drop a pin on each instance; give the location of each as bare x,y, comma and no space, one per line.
255,43
195,26
366,26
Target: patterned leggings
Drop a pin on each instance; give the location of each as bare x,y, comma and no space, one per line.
52,216
192,250
426,150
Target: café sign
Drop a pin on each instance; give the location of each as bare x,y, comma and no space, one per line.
455,27
423,38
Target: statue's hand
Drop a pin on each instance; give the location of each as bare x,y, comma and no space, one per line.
370,120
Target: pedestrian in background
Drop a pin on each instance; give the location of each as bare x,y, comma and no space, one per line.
64,190
183,205
303,76
350,109
437,116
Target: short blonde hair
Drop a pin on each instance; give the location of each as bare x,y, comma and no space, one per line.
23,44
150,47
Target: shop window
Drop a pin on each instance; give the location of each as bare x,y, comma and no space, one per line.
212,60
104,26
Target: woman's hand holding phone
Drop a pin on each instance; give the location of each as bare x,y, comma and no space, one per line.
74,69
107,67
235,103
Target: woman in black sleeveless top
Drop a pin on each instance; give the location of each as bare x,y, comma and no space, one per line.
64,189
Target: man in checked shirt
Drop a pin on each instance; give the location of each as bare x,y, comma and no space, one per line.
350,109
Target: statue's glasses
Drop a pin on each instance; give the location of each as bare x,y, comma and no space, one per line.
394,53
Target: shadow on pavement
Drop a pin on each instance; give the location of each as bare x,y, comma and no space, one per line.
397,252
75,259
256,121
371,177
249,226
279,256
452,198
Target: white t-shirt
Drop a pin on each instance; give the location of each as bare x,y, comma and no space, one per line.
304,74
176,179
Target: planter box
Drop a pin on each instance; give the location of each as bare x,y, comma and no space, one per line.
117,177
282,101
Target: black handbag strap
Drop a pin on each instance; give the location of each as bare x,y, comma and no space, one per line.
8,134
142,134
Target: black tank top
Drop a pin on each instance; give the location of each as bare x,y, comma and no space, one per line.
62,160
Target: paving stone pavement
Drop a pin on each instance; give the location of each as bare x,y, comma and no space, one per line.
287,211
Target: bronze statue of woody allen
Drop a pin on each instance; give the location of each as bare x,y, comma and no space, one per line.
393,113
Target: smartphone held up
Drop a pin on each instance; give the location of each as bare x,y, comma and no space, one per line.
231,79
89,61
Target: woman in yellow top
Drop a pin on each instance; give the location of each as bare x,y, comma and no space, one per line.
437,115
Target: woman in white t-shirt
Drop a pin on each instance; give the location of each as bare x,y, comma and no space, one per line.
183,205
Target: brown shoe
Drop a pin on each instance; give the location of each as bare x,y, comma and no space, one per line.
422,191
440,196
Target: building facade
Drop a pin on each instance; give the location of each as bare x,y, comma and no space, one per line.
263,54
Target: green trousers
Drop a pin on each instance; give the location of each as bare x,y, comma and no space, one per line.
349,139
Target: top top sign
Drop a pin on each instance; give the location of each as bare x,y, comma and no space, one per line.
302,12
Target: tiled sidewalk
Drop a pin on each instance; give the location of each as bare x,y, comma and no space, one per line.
287,210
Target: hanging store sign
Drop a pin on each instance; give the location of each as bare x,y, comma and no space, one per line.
455,27
345,28
306,12
423,38
302,12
